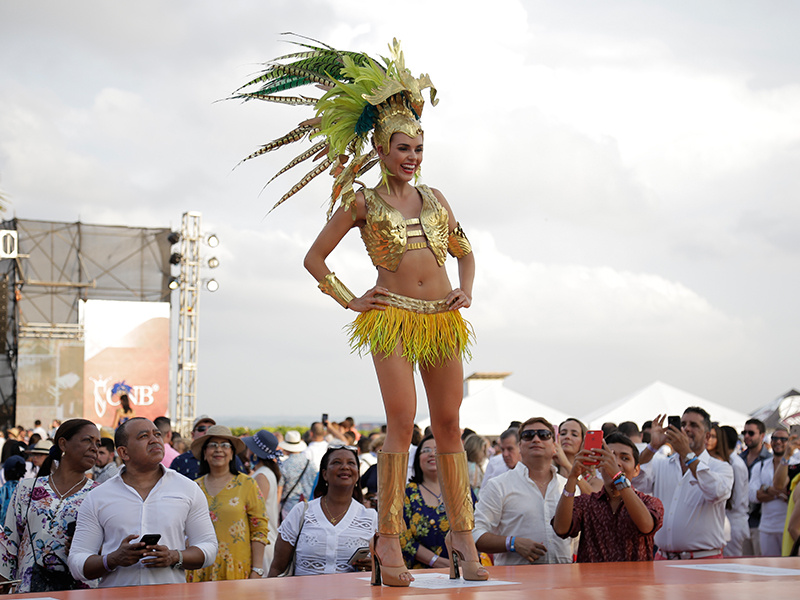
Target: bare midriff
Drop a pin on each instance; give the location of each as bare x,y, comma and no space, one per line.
417,276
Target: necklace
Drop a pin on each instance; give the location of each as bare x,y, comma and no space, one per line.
327,511
59,494
437,496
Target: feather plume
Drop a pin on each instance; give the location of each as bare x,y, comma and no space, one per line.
320,168
293,136
300,158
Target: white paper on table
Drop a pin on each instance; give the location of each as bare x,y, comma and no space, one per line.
442,581
743,569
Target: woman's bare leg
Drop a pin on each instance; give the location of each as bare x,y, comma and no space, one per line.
396,381
444,387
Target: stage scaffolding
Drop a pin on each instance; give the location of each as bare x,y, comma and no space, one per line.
56,265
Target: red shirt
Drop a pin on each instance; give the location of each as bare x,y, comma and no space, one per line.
610,537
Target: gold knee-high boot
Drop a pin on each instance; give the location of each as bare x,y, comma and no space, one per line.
454,481
392,475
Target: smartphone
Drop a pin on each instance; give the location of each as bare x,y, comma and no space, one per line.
593,441
674,420
359,554
324,418
794,430
150,539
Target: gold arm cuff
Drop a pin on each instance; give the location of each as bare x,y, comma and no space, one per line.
392,475
331,285
454,479
457,243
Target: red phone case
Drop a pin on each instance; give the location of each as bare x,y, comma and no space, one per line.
593,441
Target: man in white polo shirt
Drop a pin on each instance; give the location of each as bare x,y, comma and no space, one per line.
144,498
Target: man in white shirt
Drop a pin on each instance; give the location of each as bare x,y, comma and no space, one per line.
737,510
692,485
144,498
512,518
507,459
317,446
773,500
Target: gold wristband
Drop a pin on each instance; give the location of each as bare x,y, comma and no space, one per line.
336,289
457,243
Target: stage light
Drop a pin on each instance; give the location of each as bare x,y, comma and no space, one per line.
212,285
212,240
174,283
174,237
213,262
175,258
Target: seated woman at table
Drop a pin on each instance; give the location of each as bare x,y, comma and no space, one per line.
326,533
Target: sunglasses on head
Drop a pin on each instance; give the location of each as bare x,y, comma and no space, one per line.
529,434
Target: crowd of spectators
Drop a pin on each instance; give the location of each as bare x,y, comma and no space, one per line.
85,507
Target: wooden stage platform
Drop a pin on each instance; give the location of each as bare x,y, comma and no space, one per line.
745,578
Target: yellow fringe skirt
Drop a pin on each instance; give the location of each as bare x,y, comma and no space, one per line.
426,332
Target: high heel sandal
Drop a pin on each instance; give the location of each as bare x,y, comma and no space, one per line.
382,575
470,567
392,472
454,480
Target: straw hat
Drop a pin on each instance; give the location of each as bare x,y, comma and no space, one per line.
41,447
292,442
217,431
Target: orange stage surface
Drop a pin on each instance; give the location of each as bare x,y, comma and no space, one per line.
745,578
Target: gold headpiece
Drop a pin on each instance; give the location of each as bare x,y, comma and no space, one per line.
363,96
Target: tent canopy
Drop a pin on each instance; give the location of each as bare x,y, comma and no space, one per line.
784,410
489,407
661,399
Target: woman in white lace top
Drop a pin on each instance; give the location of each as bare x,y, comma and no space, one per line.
327,531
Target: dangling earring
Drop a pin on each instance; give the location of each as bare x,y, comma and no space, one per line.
417,174
385,174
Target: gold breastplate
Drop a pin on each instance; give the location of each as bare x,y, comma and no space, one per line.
387,235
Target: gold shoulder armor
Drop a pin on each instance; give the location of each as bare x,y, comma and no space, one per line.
457,243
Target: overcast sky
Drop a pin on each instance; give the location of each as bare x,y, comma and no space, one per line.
626,171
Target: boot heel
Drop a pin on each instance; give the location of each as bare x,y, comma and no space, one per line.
454,571
376,564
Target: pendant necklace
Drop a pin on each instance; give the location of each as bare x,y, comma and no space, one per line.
437,496
328,514
59,494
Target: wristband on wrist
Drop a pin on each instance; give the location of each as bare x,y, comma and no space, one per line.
691,460
105,564
784,461
433,560
566,494
652,448
331,285
508,543
615,477
512,547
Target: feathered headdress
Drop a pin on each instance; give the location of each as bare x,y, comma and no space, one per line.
362,96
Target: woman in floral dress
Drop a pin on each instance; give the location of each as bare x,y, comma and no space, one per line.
237,509
41,518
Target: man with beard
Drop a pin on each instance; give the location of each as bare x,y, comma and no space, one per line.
691,484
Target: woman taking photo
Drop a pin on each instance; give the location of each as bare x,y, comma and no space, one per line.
410,319
570,441
236,506
326,533
41,518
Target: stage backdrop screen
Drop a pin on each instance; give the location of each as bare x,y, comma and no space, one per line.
125,341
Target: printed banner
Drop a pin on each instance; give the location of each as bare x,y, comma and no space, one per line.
125,342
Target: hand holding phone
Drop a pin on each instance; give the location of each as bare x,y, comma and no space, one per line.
593,441
150,539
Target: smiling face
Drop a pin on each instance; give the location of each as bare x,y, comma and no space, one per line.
427,459
570,436
404,157
218,452
81,449
342,469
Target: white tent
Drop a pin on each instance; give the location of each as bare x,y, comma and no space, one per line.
784,410
658,399
489,407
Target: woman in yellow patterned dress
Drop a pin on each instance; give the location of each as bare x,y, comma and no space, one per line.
237,509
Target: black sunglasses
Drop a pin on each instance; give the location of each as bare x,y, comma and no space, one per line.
745,432
529,434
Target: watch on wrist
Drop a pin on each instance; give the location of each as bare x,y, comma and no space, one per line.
258,571
179,564
689,458
622,482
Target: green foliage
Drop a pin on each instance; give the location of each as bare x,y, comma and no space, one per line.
240,431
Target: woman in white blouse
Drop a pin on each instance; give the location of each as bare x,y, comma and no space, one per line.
334,525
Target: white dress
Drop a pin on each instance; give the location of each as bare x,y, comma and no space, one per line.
271,502
323,547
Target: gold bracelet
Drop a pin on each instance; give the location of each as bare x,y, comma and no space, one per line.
457,243
331,285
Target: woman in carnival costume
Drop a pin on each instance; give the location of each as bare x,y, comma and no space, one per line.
370,114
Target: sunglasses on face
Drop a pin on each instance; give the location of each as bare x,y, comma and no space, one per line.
201,428
223,445
780,439
529,434
746,433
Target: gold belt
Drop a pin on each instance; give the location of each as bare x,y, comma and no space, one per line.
415,304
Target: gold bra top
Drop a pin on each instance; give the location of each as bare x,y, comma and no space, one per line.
387,235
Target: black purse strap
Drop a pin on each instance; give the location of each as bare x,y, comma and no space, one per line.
296,483
30,535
